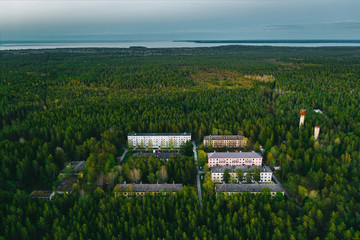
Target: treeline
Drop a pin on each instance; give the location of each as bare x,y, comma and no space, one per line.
177,216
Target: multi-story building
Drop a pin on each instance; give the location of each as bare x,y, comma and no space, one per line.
218,172
142,189
160,155
222,141
234,159
249,188
158,140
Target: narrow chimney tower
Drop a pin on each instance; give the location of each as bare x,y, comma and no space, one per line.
302,117
316,132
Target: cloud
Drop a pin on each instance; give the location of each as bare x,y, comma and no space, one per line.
145,32
215,19
143,1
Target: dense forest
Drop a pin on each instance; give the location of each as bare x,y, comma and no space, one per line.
79,104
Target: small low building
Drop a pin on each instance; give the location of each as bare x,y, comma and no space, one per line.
248,188
234,159
67,178
222,141
218,172
43,194
142,189
160,155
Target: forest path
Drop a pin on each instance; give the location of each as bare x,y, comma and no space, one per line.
278,183
198,174
123,155
286,193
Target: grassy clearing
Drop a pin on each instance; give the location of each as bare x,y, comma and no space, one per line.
213,78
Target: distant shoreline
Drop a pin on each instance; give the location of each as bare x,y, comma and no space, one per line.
31,45
270,41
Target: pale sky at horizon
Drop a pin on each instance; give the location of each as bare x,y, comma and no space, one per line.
179,20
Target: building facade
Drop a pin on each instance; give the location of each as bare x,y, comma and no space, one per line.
234,159
218,172
248,188
43,194
160,155
222,141
158,140
142,189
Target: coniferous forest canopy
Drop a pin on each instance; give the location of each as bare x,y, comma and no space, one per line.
79,104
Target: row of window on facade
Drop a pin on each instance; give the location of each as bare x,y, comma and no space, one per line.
158,141
271,193
264,177
117,194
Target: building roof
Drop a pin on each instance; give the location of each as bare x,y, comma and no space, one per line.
221,169
247,187
41,194
74,166
77,165
157,154
318,111
302,111
159,134
234,155
152,187
65,186
224,137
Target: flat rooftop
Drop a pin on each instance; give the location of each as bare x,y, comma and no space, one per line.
152,187
234,155
247,187
159,134
221,169
224,137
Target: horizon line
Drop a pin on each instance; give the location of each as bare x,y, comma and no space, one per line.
190,40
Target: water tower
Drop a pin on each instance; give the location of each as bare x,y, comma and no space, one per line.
302,117
316,132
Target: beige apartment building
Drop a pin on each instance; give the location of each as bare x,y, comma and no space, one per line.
221,141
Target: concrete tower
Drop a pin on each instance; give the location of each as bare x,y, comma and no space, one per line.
316,132
302,117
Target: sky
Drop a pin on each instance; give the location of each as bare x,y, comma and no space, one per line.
97,20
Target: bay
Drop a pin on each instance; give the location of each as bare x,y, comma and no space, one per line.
168,44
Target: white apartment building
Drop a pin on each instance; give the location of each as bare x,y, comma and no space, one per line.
158,140
218,172
234,159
